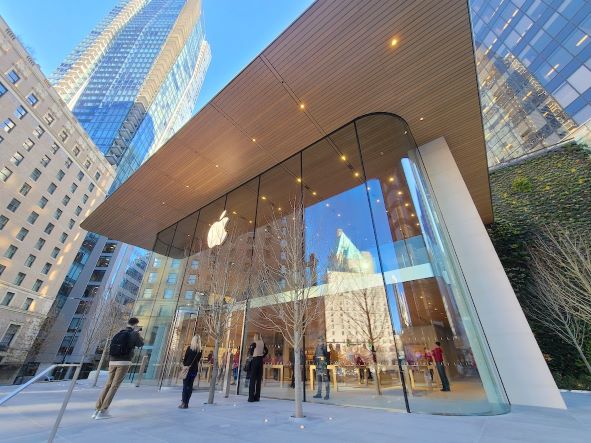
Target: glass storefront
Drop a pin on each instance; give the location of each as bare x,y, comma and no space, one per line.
382,270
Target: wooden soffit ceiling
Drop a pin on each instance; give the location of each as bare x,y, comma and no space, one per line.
338,60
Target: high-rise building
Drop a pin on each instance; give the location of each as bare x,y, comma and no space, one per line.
51,177
131,83
533,61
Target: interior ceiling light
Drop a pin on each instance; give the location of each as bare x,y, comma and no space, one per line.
217,166
356,174
299,180
263,197
422,118
302,106
314,192
344,157
254,139
391,179
393,42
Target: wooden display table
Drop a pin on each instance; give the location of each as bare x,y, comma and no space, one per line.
333,376
267,367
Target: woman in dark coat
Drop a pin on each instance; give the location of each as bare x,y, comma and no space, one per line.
190,360
258,351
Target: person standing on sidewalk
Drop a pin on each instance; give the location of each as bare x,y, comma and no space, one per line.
121,354
190,369
258,351
437,354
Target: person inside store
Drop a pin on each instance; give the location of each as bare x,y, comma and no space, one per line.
321,360
190,369
437,354
258,351
235,365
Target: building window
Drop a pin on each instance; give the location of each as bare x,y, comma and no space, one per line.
3,89
30,260
51,188
13,205
87,164
54,148
66,200
171,279
27,304
84,198
37,285
2,269
175,263
42,202
49,119
189,295
45,160
35,174
80,175
10,251
91,187
5,174
64,135
16,158
148,292
97,276
32,99
194,264
32,218
7,299
28,144
3,221
109,247
38,132
152,277
103,261
63,237
76,151
97,176
69,162
19,278
58,213
157,262
20,112
192,279
22,234
46,268
168,293
1,139
55,252
60,175
71,223
8,125
78,210
49,228
9,335
25,188
40,243
13,76
73,188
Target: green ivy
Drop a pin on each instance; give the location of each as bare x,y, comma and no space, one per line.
554,188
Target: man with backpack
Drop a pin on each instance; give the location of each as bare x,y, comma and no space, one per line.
121,354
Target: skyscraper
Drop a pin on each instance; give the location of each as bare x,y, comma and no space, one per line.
534,70
131,83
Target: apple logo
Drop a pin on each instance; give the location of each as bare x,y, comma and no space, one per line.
217,232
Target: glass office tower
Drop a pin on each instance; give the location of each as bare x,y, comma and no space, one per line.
534,68
132,83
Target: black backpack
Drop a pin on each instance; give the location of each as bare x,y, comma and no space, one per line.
121,344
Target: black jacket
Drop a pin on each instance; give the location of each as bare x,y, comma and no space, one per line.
136,341
192,358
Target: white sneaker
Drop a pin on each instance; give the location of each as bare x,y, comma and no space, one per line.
102,415
95,413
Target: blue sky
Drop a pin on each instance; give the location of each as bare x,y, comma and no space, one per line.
237,30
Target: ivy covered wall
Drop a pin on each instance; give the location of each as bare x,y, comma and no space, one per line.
553,188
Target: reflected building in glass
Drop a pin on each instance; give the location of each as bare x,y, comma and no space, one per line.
534,68
379,157
132,83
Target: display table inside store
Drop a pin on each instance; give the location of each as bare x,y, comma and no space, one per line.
332,371
266,369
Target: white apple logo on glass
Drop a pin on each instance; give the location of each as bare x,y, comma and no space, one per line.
217,232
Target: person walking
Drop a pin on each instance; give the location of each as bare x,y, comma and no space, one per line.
258,351
235,365
437,355
190,369
321,360
121,353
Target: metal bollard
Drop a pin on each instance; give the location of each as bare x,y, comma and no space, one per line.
142,369
64,404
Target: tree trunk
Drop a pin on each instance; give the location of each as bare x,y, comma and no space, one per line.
214,371
299,389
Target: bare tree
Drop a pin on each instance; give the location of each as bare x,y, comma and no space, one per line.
287,285
561,291
223,279
362,301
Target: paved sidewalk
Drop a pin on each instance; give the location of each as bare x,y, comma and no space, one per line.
146,415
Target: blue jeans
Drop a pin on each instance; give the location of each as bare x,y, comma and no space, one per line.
188,386
442,375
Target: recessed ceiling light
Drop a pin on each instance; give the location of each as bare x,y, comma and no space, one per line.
343,157
422,118
314,192
163,203
254,139
299,180
394,42
399,192
302,106
263,197
391,179
356,174
186,186
217,166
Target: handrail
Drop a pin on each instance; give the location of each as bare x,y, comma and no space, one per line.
33,380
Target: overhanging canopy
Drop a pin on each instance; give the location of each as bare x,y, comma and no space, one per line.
339,60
